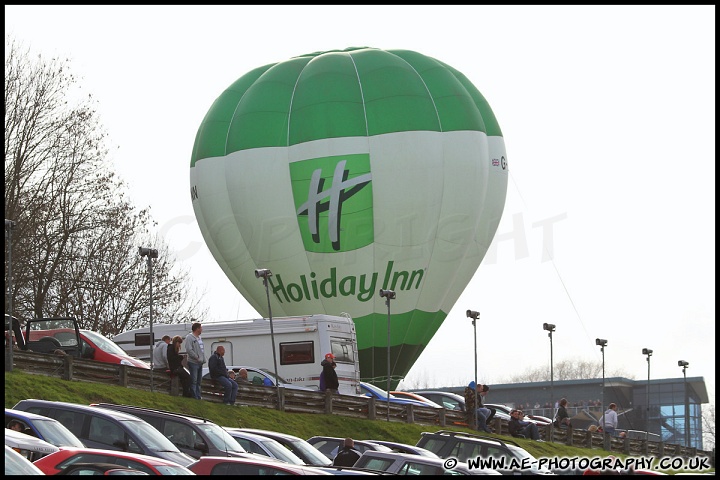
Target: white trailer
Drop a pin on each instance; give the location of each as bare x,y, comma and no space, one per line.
300,345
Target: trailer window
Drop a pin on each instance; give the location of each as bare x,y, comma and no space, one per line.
296,353
343,350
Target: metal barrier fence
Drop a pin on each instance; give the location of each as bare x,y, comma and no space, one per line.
300,401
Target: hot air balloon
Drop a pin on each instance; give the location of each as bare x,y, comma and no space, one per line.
349,171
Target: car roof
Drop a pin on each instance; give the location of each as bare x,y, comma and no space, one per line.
259,460
22,414
415,396
162,413
78,407
271,433
395,456
405,446
118,453
23,441
439,392
471,437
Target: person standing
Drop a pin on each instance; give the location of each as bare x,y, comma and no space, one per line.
219,374
160,353
196,358
329,376
175,364
611,419
347,456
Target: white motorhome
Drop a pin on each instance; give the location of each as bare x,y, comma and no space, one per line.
300,345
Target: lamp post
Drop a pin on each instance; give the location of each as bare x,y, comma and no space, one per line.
602,343
9,225
684,365
550,329
150,253
648,352
264,273
474,315
388,295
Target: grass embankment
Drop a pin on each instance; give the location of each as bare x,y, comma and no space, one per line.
20,385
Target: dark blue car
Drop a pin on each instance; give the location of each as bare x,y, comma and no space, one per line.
44,428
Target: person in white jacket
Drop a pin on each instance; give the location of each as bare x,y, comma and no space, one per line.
610,419
195,358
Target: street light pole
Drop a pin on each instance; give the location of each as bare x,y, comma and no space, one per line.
602,343
684,365
264,273
9,225
648,352
150,253
389,295
550,329
474,315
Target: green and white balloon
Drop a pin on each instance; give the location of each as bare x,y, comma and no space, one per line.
346,172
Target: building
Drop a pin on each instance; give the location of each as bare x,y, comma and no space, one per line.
665,417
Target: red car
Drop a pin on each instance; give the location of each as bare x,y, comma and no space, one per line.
95,346
57,462
249,466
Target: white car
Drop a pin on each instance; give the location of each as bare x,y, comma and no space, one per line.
410,464
261,376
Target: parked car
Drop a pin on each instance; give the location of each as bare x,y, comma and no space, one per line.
409,464
381,395
99,469
104,428
464,446
309,454
329,446
250,466
16,464
28,446
56,462
262,376
414,396
405,448
44,428
102,349
449,400
503,411
195,436
263,445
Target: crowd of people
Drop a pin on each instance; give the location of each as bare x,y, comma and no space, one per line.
166,357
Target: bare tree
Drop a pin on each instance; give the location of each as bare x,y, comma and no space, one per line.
565,370
76,236
708,427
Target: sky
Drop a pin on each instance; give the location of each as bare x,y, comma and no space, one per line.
608,116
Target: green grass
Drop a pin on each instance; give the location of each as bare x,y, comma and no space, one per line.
20,385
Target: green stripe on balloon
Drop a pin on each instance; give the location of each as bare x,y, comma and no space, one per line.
356,92
410,333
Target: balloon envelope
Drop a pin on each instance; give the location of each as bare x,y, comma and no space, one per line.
346,172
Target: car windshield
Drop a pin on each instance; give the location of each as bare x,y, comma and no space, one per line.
375,391
104,343
173,470
153,439
56,433
312,454
282,453
220,438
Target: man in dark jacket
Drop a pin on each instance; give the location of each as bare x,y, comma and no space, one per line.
328,372
347,456
219,374
484,414
517,426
